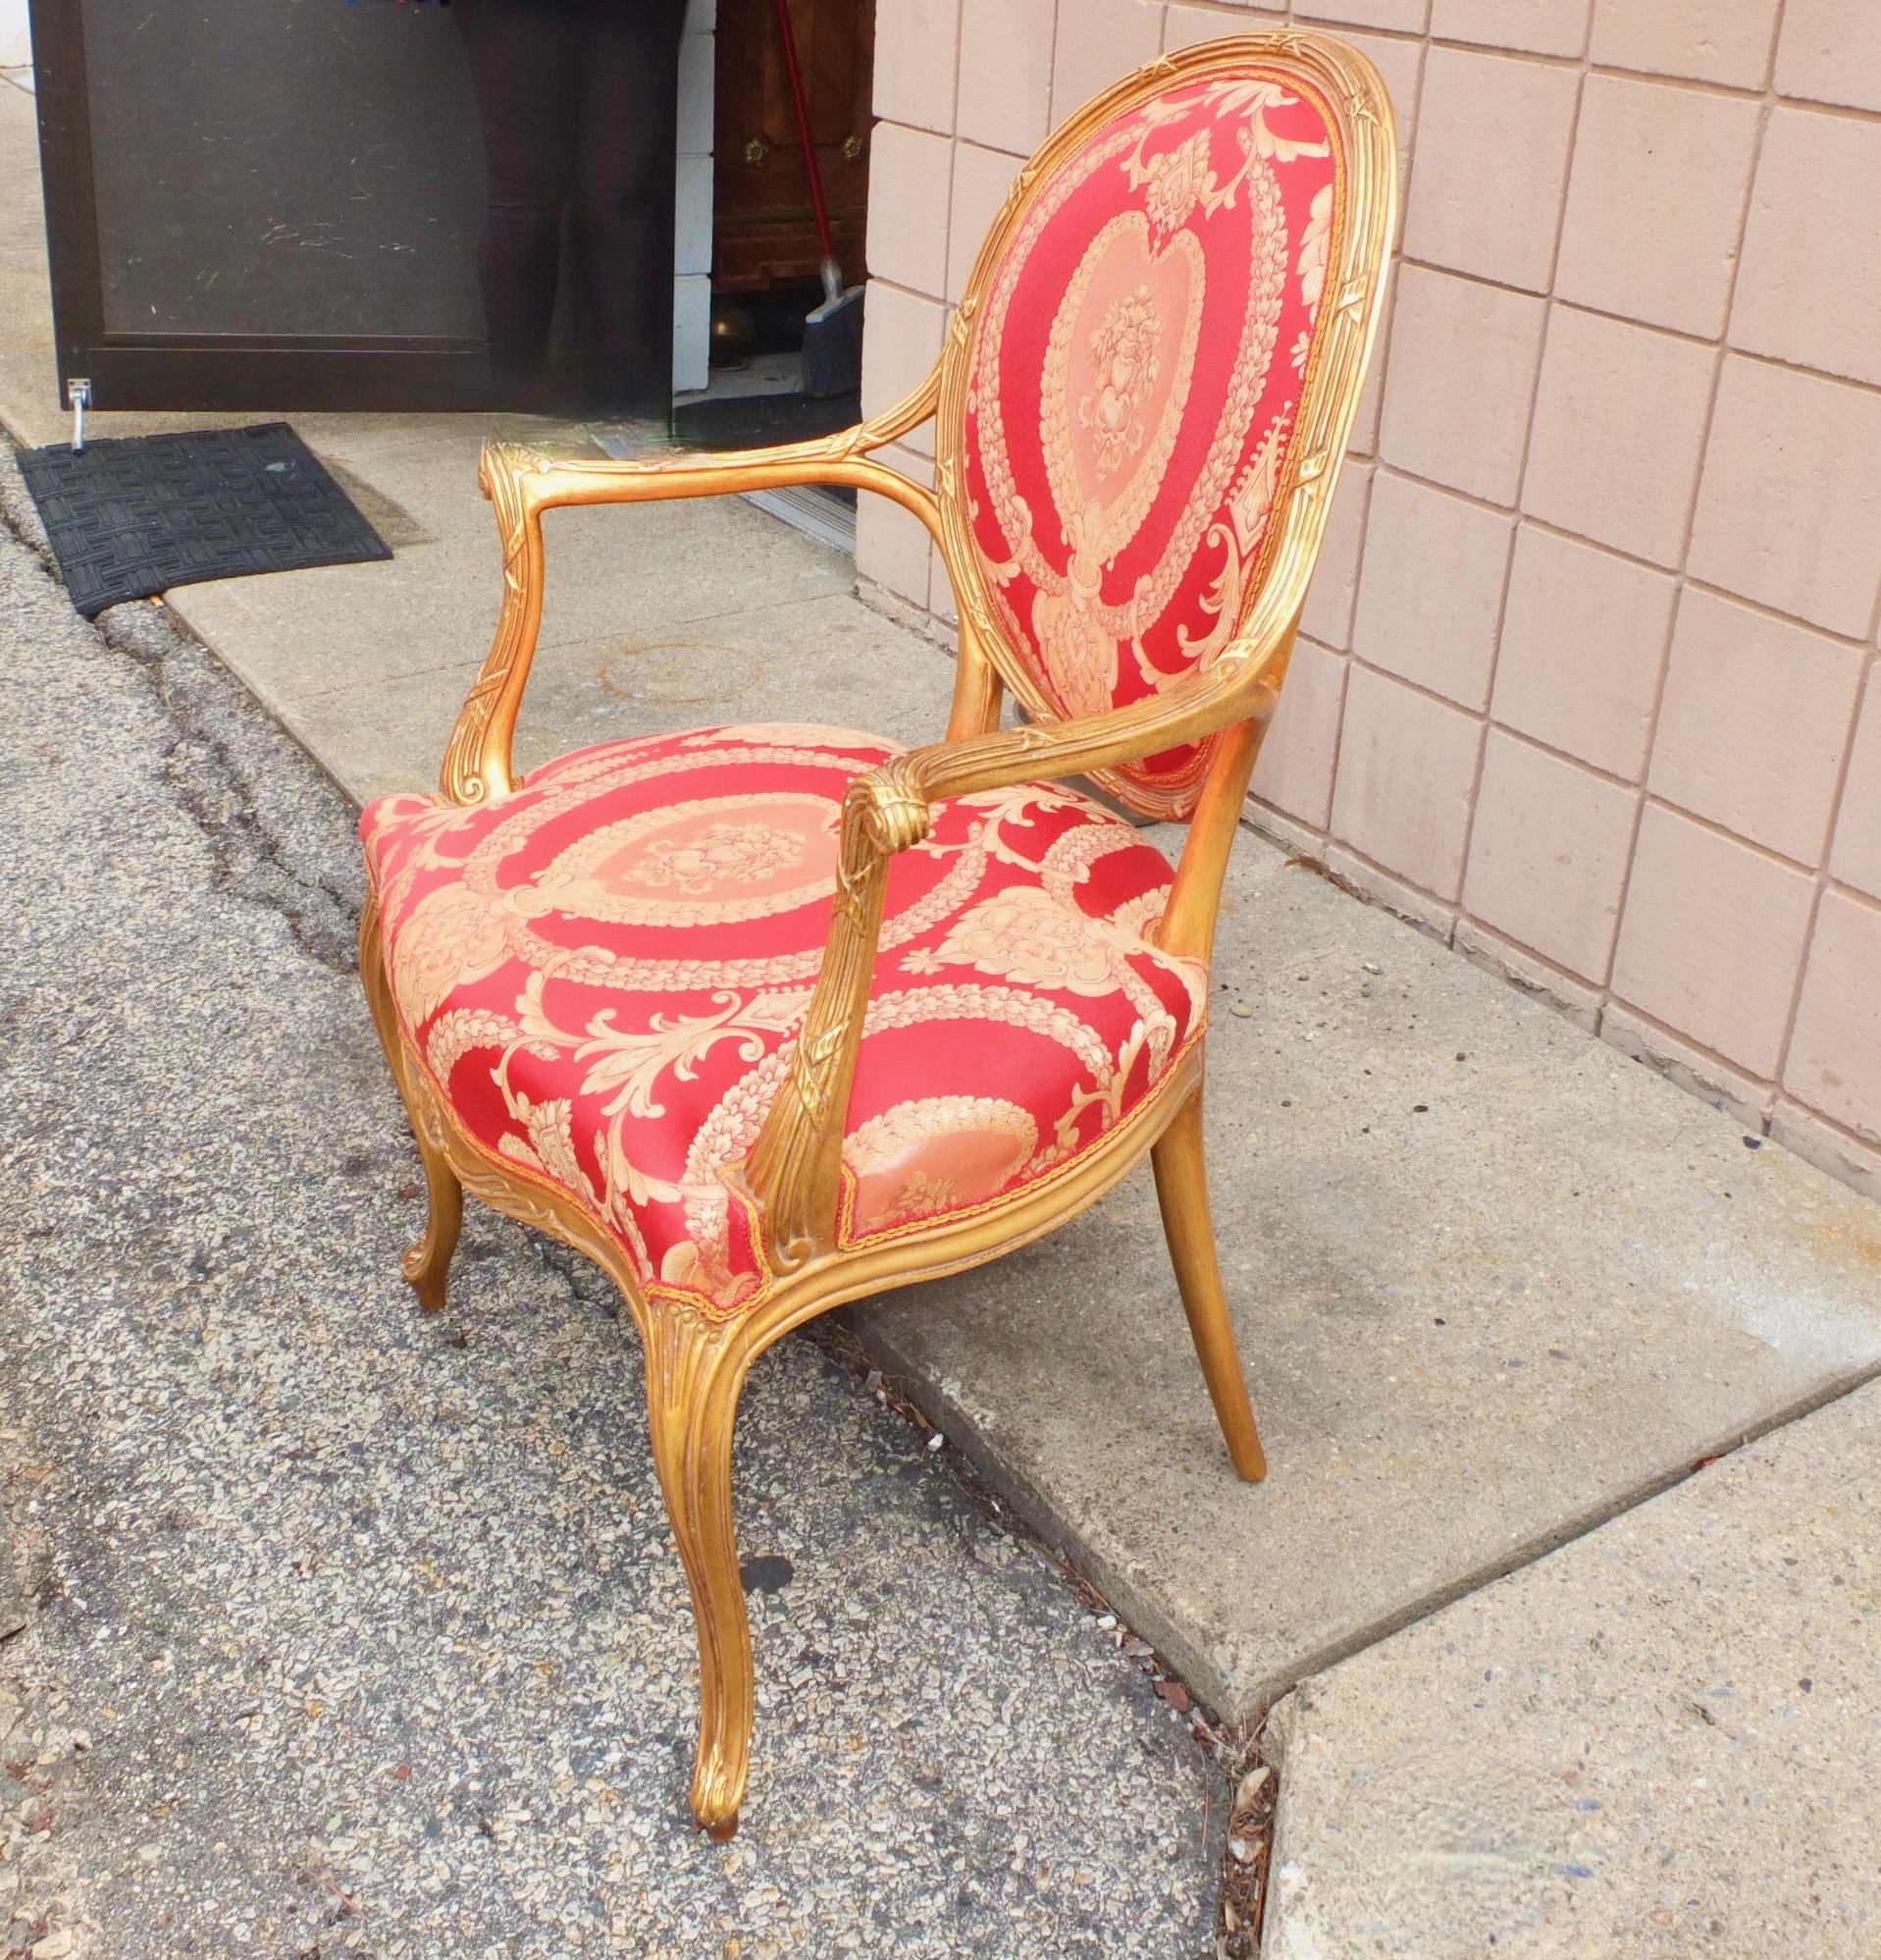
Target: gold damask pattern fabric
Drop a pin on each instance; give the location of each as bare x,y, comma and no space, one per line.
604,973
1136,372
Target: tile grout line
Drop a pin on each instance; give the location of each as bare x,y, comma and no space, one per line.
1861,643
926,600
1569,980
1806,942
1381,356
1834,1124
1691,1044
1823,882
1691,84
1680,333
1599,772
1521,482
1721,353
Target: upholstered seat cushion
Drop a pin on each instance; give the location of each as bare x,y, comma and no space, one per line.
604,974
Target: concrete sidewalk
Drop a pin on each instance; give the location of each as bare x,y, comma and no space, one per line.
1495,1283
1663,1740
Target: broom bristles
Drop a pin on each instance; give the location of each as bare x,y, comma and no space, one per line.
832,363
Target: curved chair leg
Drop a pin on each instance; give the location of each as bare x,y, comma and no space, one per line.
694,1371
1181,1190
427,1264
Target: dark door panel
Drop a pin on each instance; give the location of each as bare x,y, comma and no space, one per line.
262,203
320,175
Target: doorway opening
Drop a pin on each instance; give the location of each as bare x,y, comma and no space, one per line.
750,215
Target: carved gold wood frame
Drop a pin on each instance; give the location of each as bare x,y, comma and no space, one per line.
696,1365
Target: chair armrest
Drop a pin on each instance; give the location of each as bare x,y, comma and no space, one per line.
550,476
794,1174
1193,709
522,480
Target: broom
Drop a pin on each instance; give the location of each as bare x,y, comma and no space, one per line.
832,361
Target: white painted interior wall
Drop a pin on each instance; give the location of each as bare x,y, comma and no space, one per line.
16,35
693,201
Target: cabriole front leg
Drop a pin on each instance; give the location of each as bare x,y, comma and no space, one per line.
694,1373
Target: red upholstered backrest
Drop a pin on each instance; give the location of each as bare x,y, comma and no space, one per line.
1140,339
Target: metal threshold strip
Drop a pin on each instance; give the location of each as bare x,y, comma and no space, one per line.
805,507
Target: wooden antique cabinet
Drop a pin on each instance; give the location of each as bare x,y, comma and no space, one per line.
763,232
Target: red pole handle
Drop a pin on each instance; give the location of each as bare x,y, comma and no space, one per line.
789,34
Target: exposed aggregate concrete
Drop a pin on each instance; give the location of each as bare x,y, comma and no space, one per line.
353,1632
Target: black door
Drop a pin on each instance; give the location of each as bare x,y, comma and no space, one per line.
265,204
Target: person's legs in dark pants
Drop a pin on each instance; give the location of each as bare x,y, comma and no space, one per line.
625,191
525,63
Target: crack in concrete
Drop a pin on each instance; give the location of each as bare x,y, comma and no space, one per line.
202,771
213,715
214,718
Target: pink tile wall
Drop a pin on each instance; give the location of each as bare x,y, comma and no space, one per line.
1588,680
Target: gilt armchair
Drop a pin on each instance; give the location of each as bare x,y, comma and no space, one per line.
617,998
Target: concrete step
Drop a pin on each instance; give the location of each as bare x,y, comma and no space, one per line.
1665,1739
1493,1282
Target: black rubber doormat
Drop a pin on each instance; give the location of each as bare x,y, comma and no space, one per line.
748,421
131,516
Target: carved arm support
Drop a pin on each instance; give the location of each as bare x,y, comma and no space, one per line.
794,1173
523,480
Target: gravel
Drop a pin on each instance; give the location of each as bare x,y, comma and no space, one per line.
354,1632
